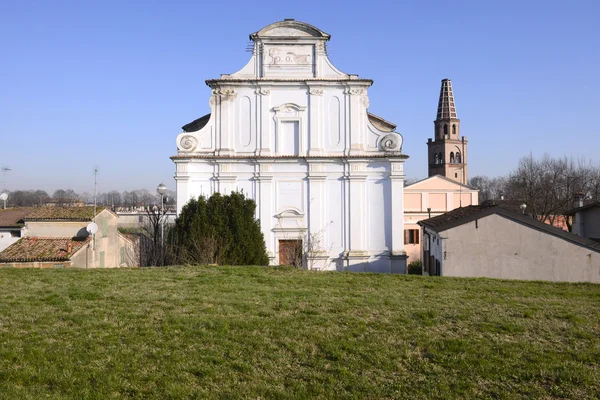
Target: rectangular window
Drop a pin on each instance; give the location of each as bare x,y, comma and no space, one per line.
288,138
411,236
15,233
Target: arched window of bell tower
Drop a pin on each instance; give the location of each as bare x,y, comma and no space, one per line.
453,129
445,129
441,158
435,158
451,157
458,157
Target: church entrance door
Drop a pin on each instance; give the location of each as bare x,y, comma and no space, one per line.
290,252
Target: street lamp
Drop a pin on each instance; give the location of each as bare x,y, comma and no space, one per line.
162,189
523,207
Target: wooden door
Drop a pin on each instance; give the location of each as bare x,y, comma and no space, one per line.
290,252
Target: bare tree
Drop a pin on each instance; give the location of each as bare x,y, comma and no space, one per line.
549,185
489,188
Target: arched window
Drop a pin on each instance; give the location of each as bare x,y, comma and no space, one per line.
458,157
445,129
435,158
453,129
451,157
441,157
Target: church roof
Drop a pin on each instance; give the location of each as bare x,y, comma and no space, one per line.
380,123
290,28
196,124
446,108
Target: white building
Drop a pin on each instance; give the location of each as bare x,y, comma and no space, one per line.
293,132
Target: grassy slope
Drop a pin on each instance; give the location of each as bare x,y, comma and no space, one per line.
277,333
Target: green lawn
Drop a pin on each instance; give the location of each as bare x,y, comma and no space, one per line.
198,332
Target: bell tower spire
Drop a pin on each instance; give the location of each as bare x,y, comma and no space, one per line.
448,150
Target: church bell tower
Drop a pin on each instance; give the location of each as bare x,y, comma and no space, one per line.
447,152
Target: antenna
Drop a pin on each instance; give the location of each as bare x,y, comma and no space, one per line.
95,186
94,216
5,169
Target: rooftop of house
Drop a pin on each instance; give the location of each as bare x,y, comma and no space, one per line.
463,215
62,213
585,206
39,249
13,217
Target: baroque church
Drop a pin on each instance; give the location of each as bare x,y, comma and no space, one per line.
294,133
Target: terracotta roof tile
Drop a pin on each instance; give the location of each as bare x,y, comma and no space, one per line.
63,213
13,217
42,249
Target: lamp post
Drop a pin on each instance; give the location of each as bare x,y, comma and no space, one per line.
162,189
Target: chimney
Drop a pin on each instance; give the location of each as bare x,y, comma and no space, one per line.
579,199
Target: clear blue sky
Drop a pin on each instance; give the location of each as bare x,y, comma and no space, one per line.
111,82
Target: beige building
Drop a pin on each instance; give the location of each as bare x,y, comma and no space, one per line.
445,189
494,242
57,237
428,198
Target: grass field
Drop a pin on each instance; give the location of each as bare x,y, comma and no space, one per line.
198,332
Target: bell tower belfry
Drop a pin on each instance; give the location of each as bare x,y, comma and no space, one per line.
447,152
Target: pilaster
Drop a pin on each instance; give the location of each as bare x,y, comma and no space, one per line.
397,254
315,136
264,187
318,253
263,101
356,180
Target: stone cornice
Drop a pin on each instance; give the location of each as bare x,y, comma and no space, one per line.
364,157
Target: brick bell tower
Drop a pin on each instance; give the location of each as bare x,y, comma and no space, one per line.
448,150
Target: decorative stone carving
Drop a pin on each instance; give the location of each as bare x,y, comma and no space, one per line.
355,92
390,142
316,92
263,92
364,100
320,47
182,167
188,143
224,92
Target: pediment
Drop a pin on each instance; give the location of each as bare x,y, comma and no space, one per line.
291,29
436,182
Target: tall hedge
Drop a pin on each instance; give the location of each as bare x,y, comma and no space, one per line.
219,230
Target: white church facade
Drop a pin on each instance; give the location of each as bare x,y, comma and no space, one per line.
294,133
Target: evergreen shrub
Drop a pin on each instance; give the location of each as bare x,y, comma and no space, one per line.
219,230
